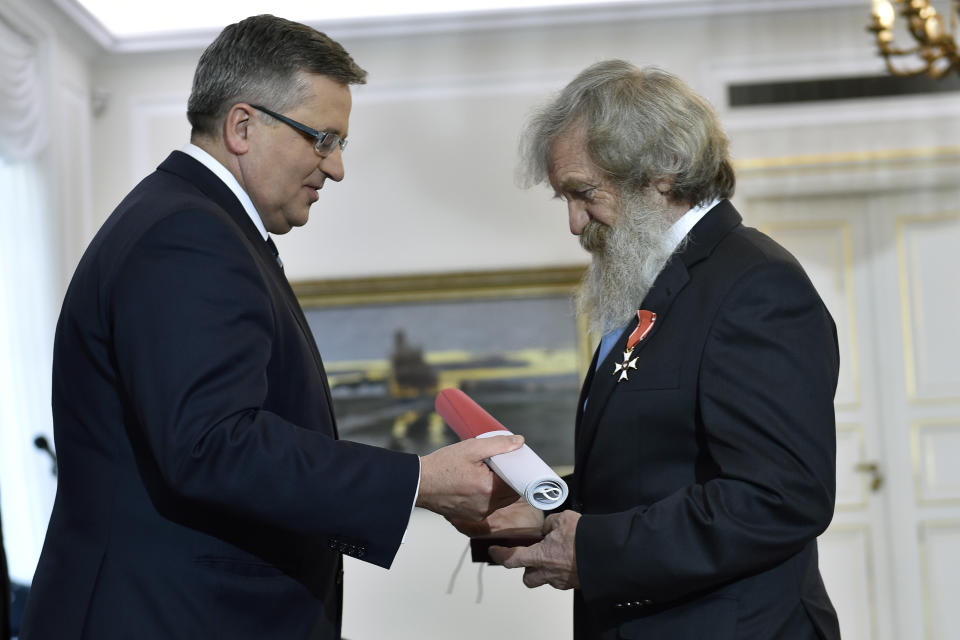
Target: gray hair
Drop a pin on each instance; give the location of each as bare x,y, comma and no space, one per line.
263,60
641,125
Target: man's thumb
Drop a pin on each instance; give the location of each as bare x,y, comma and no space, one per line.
494,445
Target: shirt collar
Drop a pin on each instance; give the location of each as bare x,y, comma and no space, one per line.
679,230
228,179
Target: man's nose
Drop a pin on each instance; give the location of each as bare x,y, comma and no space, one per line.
577,213
332,165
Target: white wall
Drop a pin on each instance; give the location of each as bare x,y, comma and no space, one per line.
430,185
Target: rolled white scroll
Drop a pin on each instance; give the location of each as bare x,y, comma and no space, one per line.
522,469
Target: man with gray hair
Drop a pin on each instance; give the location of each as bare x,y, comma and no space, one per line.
203,491
705,446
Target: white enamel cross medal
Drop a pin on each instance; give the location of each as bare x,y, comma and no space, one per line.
621,367
646,318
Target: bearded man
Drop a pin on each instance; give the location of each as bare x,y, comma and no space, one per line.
705,434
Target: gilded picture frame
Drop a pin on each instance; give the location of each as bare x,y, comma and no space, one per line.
510,339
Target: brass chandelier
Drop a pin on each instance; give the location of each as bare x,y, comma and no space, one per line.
935,53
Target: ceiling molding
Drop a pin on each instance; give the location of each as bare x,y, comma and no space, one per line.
462,22
85,20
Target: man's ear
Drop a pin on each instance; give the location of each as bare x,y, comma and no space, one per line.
235,129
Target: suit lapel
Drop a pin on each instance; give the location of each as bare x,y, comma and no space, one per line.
668,284
585,393
600,385
213,187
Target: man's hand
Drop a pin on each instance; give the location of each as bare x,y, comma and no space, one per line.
456,482
552,561
519,515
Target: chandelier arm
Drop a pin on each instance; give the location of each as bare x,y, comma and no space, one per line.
905,73
936,48
888,50
936,72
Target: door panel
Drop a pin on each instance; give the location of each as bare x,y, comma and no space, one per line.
828,236
887,264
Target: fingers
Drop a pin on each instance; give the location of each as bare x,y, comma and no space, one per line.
500,555
565,519
551,523
516,515
483,448
468,528
514,557
533,578
502,494
552,561
455,482
511,557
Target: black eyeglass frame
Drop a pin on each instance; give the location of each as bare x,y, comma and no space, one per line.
324,141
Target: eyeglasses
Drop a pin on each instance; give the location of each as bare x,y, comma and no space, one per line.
324,142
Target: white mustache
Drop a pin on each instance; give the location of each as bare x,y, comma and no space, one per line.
593,237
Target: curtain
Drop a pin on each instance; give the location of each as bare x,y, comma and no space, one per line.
23,130
28,259
27,321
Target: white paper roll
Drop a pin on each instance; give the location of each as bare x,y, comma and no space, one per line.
528,475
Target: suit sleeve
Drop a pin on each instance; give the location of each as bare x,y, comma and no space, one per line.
193,330
765,401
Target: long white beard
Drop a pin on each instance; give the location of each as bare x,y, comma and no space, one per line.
627,258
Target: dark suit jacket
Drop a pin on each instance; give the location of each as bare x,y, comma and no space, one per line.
202,490
705,477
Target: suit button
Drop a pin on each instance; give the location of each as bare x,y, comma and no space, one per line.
647,603
619,605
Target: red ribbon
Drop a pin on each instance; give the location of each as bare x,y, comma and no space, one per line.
647,320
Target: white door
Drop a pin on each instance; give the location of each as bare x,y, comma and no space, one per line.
887,264
919,354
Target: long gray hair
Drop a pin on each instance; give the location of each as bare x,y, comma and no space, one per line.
641,125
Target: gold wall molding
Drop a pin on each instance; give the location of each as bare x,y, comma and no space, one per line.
919,465
924,528
907,312
863,530
439,286
820,161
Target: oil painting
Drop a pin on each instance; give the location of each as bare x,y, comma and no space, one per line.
509,339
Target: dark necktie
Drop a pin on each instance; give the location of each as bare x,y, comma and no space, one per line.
273,249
